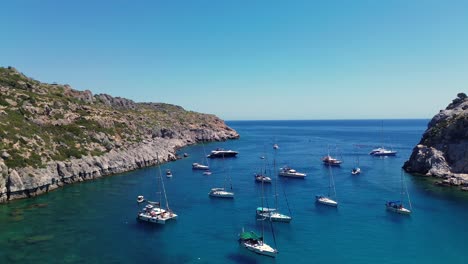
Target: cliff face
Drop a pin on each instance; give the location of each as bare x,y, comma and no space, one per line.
51,134
443,149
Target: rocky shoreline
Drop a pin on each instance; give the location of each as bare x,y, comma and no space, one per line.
443,149
30,182
52,135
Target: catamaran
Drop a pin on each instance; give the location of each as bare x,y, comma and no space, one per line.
153,212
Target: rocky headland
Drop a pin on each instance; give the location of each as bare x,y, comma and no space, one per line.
52,135
443,149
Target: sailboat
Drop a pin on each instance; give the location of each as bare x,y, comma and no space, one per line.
261,176
201,166
153,212
356,170
273,213
381,151
256,243
327,200
397,206
222,192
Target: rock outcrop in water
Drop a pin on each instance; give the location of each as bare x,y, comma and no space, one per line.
52,135
443,149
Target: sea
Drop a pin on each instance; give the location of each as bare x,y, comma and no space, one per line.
95,221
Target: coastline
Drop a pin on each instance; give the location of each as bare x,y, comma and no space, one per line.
30,182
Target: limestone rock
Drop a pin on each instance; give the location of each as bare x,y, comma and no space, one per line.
443,149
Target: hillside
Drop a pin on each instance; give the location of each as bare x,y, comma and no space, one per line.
51,134
443,149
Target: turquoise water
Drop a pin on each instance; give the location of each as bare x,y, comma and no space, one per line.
94,222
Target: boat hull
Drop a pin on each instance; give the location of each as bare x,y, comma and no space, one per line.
292,175
223,154
261,249
326,201
157,219
402,210
221,193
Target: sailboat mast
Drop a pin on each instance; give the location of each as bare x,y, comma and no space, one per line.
276,181
162,185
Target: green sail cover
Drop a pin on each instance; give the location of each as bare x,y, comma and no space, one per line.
249,235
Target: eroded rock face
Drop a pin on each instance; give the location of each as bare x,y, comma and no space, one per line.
443,149
29,182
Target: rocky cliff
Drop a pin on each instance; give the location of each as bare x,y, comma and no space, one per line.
51,134
443,149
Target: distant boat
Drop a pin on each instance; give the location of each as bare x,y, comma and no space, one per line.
221,192
207,172
289,172
260,177
356,170
168,173
153,212
221,153
397,205
327,200
381,151
275,146
330,161
198,166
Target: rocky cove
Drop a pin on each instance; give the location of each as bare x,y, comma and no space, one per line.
52,135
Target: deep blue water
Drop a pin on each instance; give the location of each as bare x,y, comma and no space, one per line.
94,222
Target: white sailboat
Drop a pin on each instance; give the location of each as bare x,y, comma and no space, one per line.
327,200
256,243
273,213
153,212
221,192
397,206
356,170
201,166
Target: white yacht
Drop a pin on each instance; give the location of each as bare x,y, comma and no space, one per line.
259,177
221,153
220,192
288,172
382,152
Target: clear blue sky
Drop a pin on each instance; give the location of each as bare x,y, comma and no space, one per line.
249,59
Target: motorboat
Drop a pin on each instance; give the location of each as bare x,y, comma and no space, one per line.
289,172
329,160
275,146
221,193
207,172
397,207
221,153
168,173
382,152
325,200
198,166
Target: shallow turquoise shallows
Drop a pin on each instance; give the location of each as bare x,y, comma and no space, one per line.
95,221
